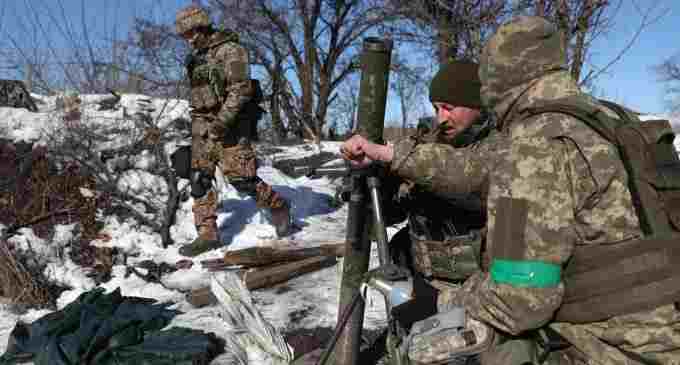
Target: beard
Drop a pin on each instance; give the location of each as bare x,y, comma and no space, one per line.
460,139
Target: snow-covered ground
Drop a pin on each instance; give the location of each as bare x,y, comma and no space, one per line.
308,301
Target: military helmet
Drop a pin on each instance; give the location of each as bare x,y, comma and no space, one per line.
190,18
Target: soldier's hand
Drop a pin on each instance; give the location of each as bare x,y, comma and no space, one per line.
361,152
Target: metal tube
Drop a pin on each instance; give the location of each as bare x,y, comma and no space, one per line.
379,224
375,67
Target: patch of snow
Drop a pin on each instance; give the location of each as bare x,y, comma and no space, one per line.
308,301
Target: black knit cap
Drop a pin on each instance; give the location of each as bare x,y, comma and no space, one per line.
457,83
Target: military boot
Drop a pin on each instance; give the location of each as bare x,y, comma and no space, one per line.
198,246
206,225
281,220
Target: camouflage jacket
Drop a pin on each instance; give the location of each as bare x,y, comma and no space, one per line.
219,74
433,217
576,190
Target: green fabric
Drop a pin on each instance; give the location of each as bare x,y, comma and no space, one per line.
457,83
103,329
528,274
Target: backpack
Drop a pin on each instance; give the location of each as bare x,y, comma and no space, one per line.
647,151
603,281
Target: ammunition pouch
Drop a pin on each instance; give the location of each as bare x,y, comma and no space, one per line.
202,98
449,337
239,161
610,280
454,259
207,86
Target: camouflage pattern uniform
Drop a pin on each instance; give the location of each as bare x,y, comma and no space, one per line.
575,188
425,210
432,218
221,90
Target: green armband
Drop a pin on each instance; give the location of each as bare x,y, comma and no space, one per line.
525,274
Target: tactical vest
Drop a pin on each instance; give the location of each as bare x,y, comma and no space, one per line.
209,78
610,280
446,237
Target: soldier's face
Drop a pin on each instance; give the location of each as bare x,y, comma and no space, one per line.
457,119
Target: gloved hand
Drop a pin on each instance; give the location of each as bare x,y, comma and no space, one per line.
201,182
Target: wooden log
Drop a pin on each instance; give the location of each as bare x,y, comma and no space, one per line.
265,277
265,256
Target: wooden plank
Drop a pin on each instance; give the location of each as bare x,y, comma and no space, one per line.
264,277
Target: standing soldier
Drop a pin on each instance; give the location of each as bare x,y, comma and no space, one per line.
222,98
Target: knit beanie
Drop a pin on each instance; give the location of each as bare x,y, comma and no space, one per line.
457,83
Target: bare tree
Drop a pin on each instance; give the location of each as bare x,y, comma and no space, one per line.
120,151
78,65
452,29
307,46
155,55
406,81
584,21
458,29
344,110
669,73
93,55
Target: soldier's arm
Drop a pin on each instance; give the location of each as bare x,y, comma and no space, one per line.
441,168
238,89
530,237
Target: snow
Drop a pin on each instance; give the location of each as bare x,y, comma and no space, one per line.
308,301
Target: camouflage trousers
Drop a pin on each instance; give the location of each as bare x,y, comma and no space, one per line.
237,163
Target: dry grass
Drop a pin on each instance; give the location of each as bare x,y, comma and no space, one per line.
19,284
41,201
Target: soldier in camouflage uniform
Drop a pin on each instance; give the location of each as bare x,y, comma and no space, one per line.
553,184
224,117
454,93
